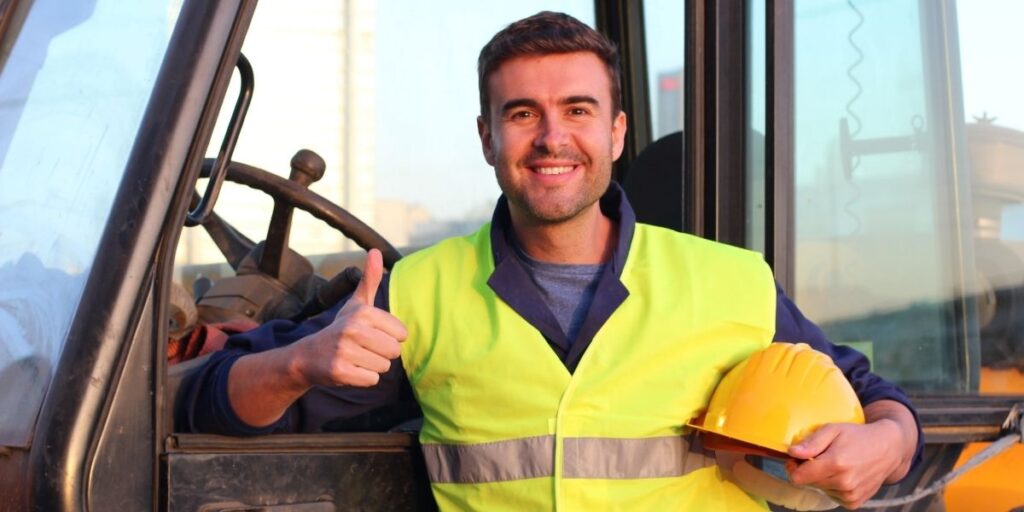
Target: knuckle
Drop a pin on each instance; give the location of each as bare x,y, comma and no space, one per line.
847,497
859,497
394,350
339,372
401,330
845,484
346,351
353,333
346,331
370,379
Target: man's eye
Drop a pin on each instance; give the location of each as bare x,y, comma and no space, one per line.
522,114
578,111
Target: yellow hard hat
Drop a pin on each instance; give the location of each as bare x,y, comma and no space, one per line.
775,398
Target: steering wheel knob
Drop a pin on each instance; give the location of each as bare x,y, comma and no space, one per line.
307,167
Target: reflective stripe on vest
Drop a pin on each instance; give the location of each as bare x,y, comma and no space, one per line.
585,457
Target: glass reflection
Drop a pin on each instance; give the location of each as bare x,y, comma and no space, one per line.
881,225
72,94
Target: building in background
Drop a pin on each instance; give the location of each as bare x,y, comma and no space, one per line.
669,103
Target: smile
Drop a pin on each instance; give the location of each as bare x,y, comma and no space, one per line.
550,171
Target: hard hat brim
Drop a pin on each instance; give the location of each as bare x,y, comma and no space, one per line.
714,440
718,442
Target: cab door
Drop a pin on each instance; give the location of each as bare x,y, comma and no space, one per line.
890,206
386,94
100,104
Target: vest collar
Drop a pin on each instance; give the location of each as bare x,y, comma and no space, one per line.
511,282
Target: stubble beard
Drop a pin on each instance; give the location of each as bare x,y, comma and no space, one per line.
539,210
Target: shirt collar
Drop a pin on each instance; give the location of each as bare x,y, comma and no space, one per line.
613,204
511,281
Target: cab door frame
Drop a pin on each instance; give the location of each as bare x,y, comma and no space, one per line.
118,304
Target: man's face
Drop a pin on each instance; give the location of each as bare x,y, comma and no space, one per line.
552,136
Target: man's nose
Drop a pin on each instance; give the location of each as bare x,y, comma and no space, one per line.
552,134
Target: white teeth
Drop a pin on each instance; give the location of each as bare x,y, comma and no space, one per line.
554,170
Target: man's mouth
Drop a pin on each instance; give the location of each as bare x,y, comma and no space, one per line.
552,171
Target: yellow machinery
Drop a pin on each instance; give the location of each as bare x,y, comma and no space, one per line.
998,484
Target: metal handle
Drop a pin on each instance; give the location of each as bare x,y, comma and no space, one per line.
227,147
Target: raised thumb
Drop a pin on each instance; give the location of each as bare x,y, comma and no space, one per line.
373,272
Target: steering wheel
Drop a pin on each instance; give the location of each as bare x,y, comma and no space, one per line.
272,281
291,193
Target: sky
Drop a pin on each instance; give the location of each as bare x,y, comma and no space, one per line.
992,59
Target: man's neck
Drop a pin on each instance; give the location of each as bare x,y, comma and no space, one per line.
586,239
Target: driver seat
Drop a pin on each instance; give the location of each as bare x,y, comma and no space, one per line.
654,183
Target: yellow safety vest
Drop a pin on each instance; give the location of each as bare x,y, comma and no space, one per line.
507,427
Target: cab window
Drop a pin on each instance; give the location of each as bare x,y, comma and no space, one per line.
907,213
68,119
994,119
663,22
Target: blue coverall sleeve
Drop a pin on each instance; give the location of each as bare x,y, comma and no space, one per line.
791,326
205,406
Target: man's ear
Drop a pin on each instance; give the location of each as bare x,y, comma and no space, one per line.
483,129
618,135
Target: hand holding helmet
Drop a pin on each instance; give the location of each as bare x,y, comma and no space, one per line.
767,404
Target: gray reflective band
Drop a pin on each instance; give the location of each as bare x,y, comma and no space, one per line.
515,459
655,457
585,457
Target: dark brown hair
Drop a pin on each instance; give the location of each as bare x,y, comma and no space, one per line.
547,33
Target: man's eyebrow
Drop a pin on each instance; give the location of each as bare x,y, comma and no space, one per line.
517,103
583,98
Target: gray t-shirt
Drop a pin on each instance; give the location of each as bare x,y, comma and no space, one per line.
568,290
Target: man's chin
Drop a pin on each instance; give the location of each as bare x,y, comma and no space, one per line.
553,214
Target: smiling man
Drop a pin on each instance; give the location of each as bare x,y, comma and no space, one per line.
557,352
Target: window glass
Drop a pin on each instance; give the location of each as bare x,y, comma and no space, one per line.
664,40
72,94
881,229
990,49
386,93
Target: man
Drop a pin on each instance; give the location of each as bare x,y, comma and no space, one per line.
557,352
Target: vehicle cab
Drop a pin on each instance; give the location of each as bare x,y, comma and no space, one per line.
151,183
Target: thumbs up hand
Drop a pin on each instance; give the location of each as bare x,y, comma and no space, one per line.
359,345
